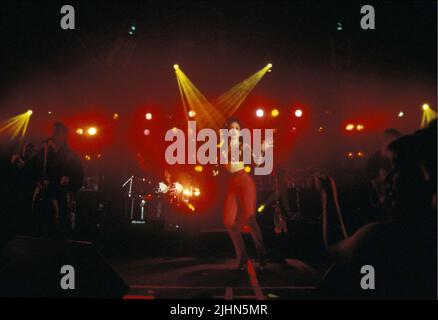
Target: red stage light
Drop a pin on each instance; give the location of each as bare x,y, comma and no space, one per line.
349,127
146,132
148,116
79,131
298,113
260,113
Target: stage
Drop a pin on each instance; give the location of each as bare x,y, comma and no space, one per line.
213,278
200,266
140,262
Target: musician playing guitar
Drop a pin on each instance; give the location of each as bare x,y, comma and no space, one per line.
61,173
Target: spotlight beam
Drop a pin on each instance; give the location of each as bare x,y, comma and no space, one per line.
428,115
214,113
16,126
193,99
231,100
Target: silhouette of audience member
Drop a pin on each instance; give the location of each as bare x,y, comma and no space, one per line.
402,251
377,168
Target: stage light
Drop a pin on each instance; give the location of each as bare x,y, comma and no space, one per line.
197,192
321,129
187,192
360,154
178,187
92,131
208,114
199,168
401,114
17,125
191,207
349,127
298,113
269,65
360,127
146,132
49,112
162,187
80,131
230,101
247,169
175,66
115,116
261,208
148,116
133,27
350,155
260,113
87,157
275,113
428,115
192,113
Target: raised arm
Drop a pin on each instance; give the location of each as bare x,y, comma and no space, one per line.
333,227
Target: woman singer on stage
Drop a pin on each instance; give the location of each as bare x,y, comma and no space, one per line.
240,188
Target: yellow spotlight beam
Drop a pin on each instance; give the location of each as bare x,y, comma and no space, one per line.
16,126
183,99
214,114
231,100
428,115
207,115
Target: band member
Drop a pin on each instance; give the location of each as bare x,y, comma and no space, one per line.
23,181
241,189
60,172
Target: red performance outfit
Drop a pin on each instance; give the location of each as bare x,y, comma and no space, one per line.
241,190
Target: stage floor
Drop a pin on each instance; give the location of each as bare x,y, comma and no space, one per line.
203,278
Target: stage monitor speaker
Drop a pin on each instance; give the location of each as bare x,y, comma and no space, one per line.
31,267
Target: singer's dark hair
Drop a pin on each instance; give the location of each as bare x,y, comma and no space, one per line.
230,120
